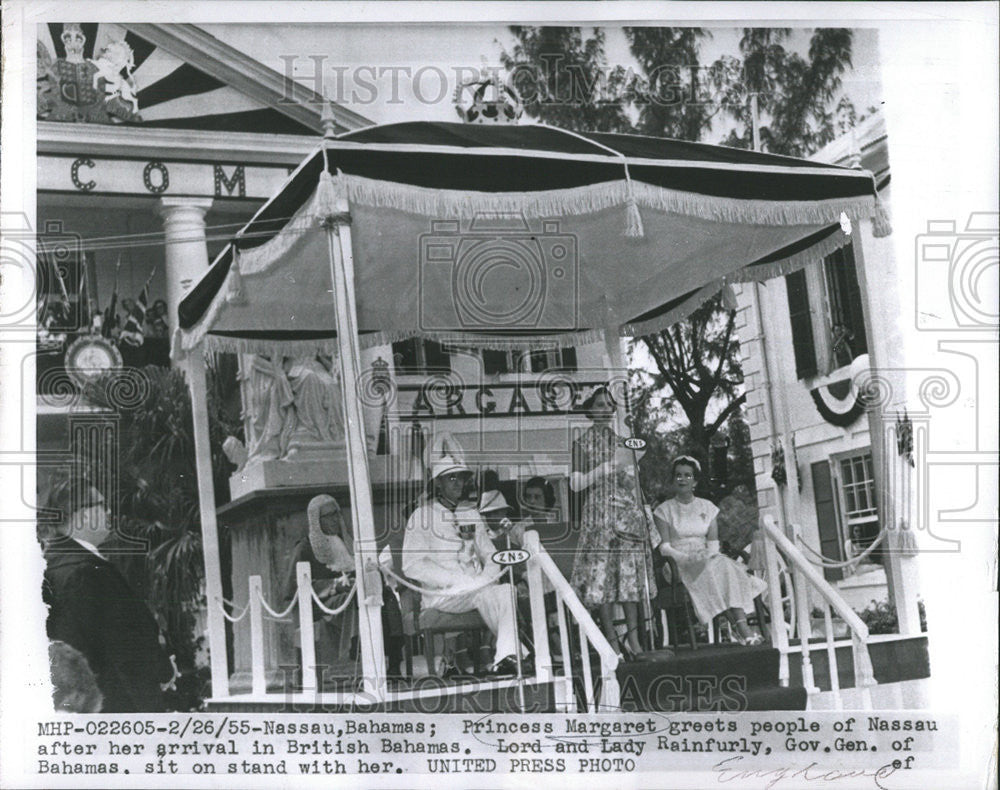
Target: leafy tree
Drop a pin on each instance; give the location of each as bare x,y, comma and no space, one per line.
669,96
698,360
798,99
562,77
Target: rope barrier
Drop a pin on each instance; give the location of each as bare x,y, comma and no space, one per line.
339,609
448,592
826,562
230,617
281,615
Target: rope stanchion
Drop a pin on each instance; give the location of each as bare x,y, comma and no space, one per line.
229,617
339,609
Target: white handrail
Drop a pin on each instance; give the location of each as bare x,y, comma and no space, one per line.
548,567
795,556
805,573
779,634
540,564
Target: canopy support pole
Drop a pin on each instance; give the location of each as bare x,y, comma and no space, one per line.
194,366
341,255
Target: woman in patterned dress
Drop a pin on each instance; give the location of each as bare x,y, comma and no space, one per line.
689,533
611,556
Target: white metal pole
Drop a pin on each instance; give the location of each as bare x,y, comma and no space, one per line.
307,634
517,632
258,673
777,416
196,379
341,258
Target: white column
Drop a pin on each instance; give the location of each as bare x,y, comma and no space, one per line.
186,249
886,359
341,260
196,380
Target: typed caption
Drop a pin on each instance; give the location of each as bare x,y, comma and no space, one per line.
763,749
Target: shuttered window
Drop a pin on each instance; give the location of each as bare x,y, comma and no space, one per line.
416,357
824,496
847,322
803,343
495,362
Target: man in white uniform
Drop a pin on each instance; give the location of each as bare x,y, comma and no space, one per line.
446,547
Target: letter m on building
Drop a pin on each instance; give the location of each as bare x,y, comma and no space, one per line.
237,180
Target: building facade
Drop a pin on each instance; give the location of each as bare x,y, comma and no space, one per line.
826,402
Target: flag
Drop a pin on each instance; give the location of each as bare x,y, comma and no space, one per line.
382,446
83,295
110,319
132,331
58,313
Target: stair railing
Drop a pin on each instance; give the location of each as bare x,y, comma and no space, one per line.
805,578
541,566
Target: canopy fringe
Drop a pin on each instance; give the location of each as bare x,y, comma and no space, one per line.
268,347
322,204
491,342
881,223
671,317
799,260
447,204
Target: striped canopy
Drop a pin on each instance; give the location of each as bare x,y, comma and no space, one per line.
517,236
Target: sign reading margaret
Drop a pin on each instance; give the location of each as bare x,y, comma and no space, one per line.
156,177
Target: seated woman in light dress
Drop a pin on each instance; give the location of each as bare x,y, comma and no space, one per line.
689,534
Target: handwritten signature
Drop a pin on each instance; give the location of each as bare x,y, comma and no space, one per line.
728,771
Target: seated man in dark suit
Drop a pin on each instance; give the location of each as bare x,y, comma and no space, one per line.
93,609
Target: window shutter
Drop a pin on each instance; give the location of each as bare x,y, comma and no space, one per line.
569,358
802,334
437,356
495,362
404,355
830,540
854,303
844,294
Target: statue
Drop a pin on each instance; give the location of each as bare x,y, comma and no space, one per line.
316,404
235,451
266,402
293,408
115,58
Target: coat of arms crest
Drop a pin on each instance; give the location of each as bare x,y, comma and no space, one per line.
85,90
